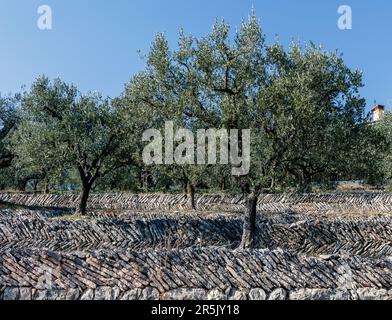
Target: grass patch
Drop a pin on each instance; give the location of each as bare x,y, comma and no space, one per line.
71,217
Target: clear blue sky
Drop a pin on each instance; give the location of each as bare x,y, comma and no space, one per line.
94,43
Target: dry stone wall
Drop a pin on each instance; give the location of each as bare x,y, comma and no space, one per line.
370,237
153,249
205,273
274,203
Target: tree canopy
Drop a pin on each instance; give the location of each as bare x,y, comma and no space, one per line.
8,121
61,129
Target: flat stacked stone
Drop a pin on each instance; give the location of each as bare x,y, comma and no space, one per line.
307,203
195,273
370,237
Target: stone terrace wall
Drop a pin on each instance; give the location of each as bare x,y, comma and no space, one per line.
369,237
120,201
190,273
173,255
272,203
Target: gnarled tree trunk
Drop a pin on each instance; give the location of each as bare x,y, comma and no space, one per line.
46,188
305,183
22,184
191,191
87,183
84,195
249,226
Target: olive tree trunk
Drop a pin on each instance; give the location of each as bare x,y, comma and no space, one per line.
191,190
46,188
249,226
305,185
22,185
84,195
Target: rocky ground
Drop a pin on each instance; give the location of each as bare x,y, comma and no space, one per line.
335,246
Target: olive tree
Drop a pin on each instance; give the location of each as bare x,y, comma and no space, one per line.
312,112
308,122
302,105
206,83
62,129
